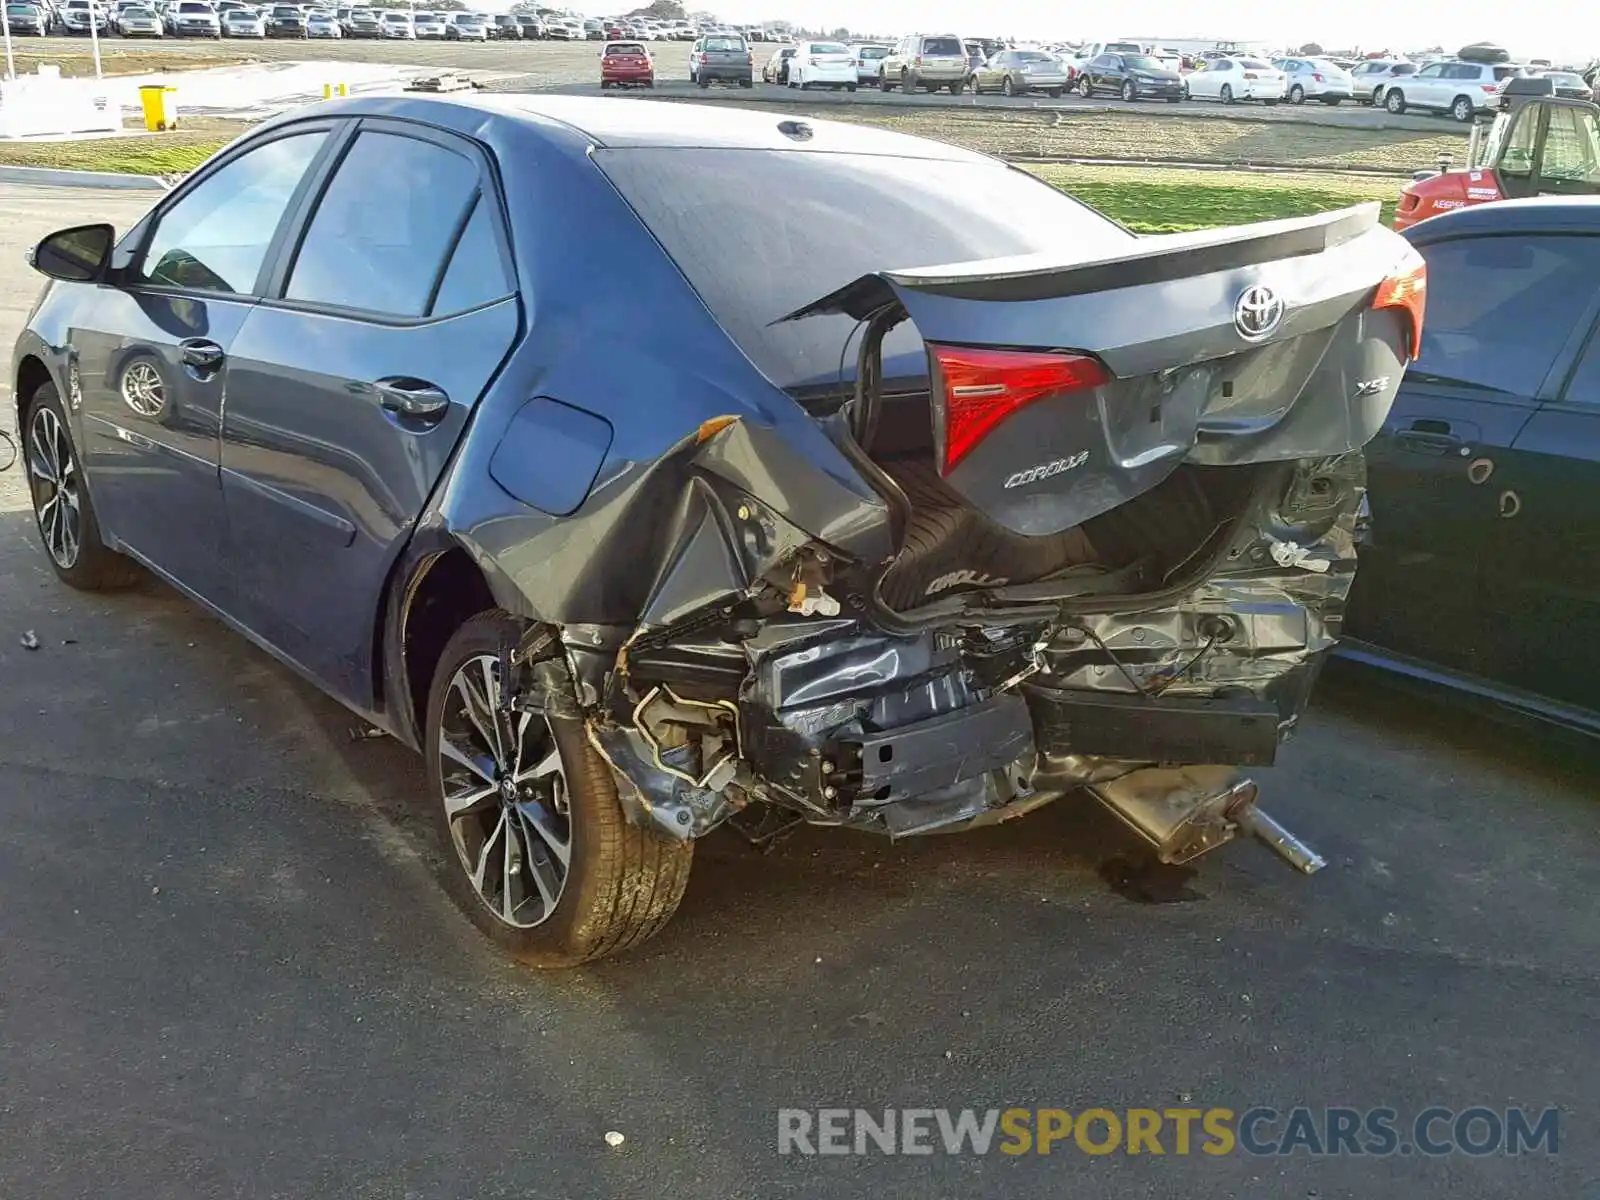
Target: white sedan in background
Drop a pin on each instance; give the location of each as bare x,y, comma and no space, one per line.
1233,79
822,64
428,25
392,23
243,23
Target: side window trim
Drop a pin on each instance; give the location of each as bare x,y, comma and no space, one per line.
311,182
305,208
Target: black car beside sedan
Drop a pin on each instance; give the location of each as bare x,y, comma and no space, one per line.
1131,76
286,21
1480,566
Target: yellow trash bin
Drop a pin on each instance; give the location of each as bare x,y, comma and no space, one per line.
160,110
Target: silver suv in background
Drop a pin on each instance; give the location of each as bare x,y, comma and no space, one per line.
1462,89
930,61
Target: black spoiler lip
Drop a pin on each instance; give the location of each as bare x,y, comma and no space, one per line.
1154,259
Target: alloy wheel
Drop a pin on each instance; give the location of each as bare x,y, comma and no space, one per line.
505,798
53,479
143,390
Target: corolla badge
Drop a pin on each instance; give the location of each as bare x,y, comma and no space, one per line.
1257,312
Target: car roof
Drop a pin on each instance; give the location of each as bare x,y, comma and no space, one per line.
635,123
1535,214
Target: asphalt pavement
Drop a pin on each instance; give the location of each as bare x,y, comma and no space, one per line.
227,969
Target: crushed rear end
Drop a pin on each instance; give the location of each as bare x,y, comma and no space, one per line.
1103,549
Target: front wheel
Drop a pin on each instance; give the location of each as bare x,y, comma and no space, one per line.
1297,94
1227,93
1054,93
1394,101
883,83
62,510
1085,88
1129,92
1007,88
539,854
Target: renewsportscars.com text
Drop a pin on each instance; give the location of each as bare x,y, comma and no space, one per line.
1335,1130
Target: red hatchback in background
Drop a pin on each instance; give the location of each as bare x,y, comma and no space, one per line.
626,64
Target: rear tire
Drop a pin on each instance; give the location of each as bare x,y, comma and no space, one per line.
1129,92
1333,101
1462,110
957,88
1297,94
1226,95
621,883
1085,88
1007,88
883,82
63,513
1053,93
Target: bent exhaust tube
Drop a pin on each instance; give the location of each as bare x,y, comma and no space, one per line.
1183,812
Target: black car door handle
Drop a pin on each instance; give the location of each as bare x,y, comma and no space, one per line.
1429,441
412,398
201,354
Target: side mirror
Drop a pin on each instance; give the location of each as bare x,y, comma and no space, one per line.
78,255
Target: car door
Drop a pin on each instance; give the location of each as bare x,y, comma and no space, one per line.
1426,88
352,381
1542,589
152,356
991,74
1501,311
1210,78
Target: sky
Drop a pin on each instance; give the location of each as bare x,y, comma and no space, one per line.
1564,29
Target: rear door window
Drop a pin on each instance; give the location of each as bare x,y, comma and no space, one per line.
378,239
844,215
942,47
1501,308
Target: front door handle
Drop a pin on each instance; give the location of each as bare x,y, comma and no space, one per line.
201,355
413,398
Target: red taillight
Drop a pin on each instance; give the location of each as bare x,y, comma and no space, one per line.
1406,288
981,388
1250,75
917,61
1317,77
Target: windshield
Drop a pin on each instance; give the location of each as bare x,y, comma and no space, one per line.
1142,62
21,10
1565,78
194,8
843,216
1124,48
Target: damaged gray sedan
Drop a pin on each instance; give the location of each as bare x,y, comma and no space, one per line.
650,468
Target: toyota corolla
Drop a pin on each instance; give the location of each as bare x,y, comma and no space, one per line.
911,504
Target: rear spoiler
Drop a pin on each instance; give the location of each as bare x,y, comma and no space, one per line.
1155,259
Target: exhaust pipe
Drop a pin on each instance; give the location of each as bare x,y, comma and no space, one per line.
1183,812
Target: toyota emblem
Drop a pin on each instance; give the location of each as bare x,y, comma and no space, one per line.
1257,313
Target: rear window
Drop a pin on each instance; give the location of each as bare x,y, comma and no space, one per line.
1033,56
1253,64
1506,72
1404,68
724,43
943,45
828,48
873,52
843,216
624,48
1124,48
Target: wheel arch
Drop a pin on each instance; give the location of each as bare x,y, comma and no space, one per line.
434,589
31,375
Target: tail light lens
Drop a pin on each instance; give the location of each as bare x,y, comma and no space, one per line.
981,388
917,61
1250,75
1406,288
1491,87
1316,77
813,61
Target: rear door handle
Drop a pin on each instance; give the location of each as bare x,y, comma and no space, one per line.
201,355
413,398
1429,436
